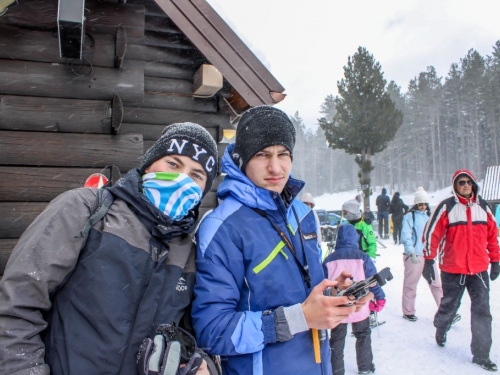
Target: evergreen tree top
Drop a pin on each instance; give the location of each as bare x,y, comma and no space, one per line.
366,118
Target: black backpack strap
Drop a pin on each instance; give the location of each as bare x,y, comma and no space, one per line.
104,201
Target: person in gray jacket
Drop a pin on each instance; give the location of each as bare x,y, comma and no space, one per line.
82,303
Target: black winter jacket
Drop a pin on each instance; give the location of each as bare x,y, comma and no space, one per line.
383,201
397,208
70,306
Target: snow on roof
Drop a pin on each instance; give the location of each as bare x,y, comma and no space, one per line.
491,185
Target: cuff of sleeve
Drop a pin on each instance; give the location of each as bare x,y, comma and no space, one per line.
296,319
268,328
281,325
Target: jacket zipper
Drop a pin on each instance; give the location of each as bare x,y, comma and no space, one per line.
275,196
147,274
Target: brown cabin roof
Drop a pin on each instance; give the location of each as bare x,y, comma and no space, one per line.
225,50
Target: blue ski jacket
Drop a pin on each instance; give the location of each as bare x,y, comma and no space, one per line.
246,272
413,228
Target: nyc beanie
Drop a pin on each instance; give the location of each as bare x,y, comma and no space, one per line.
421,196
187,139
261,127
352,208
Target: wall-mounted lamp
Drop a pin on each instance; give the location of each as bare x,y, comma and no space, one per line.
229,136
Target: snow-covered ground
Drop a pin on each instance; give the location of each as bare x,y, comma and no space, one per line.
403,347
335,201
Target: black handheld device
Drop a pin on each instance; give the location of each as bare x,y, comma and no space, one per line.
360,288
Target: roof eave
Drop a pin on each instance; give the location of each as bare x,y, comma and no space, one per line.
225,50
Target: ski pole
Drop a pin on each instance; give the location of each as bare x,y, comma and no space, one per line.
317,355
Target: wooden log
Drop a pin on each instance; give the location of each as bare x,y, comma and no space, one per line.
153,132
168,116
158,39
117,113
151,7
161,24
21,184
42,46
162,70
157,54
70,150
147,145
54,115
168,85
56,80
101,18
6,247
209,201
15,217
175,101
121,46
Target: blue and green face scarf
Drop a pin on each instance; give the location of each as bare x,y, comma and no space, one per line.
174,194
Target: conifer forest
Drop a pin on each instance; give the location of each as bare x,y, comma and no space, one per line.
449,122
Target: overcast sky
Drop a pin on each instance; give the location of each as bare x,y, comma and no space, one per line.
305,44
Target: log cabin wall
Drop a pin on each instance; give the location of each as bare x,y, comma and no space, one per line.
57,128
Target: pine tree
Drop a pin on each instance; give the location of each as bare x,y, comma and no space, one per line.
492,101
366,118
473,67
328,107
298,168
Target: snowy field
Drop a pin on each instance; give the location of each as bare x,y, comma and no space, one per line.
403,347
335,201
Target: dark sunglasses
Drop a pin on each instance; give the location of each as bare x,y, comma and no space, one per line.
463,182
421,204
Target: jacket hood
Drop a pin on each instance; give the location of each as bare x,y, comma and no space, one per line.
239,186
384,191
347,237
475,187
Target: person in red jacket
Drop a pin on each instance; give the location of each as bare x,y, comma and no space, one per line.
462,233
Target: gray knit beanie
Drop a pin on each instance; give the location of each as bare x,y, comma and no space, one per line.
188,139
352,208
262,127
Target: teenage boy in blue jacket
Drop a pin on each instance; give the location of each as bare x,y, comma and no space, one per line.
260,283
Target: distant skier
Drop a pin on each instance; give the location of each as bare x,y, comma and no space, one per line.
397,209
464,230
367,240
383,201
308,199
411,237
368,216
347,256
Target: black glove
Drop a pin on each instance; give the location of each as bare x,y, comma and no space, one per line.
494,271
158,357
171,347
428,272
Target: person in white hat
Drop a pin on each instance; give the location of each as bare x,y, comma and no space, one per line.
308,199
411,237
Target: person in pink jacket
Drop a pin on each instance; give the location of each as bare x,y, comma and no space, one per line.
347,256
